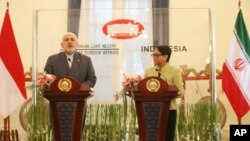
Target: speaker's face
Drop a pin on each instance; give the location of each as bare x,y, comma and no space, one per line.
159,59
69,43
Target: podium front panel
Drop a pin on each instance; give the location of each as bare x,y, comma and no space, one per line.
152,116
66,112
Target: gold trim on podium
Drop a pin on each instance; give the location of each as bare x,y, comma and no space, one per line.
65,85
153,85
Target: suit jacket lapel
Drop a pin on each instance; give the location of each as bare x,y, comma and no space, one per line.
75,63
64,63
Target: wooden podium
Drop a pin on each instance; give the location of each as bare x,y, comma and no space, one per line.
152,98
67,98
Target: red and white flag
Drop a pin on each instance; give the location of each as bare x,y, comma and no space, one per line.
12,81
236,69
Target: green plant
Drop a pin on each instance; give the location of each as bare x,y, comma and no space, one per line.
198,122
39,127
38,119
105,122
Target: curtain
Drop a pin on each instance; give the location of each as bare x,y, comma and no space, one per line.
74,15
160,22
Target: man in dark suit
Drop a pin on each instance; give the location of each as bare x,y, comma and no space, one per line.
71,63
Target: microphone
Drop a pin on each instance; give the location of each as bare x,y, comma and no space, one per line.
69,62
159,72
69,59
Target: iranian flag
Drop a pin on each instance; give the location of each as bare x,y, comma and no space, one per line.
12,82
236,69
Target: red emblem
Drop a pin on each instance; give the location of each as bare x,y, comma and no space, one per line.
122,29
239,64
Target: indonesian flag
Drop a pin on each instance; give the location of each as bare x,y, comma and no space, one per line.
12,82
236,69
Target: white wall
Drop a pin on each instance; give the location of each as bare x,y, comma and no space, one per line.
225,16
21,13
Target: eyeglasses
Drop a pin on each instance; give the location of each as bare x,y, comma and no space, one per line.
156,55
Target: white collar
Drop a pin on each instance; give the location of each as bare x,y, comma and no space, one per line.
71,56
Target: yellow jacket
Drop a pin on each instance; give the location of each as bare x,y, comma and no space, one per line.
172,76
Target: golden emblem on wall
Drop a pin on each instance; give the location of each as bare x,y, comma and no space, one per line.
153,85
64,85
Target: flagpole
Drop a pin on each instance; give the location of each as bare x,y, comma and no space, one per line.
8,45
239,118
6,120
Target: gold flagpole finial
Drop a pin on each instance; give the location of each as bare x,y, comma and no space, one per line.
7,4
239,4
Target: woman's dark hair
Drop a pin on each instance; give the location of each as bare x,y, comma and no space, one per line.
164,50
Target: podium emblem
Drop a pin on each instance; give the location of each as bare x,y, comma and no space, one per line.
65,85
153,85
